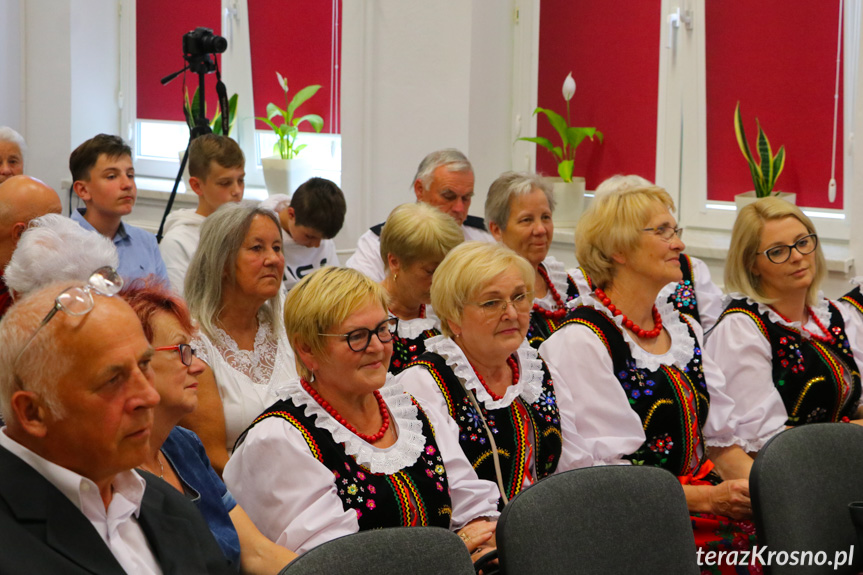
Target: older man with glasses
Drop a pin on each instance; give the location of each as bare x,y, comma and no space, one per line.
77,394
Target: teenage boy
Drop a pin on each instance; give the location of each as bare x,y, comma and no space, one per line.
104,179
217,174
310,220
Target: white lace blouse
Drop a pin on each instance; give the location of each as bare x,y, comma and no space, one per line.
244,377
291,496
599,427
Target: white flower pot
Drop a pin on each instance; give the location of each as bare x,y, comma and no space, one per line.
568,200
746,198
285,176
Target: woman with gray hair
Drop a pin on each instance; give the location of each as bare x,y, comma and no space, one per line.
12,149
55,248
233,289
414,241
518,210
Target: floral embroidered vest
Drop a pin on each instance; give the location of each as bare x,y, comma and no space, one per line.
407,350
671,402
417,495
683,297
807,373
510,426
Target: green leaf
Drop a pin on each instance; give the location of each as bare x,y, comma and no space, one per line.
779,165
273,111
316,121
564,169
600,136
298,148
300,98
754,169
268,122
557,122
766,155
544,142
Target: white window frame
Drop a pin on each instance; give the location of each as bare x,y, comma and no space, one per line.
682,117
236,73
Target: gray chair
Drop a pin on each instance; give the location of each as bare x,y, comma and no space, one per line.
395,551
599,520
801,484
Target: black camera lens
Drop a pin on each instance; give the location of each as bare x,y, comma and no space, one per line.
202,41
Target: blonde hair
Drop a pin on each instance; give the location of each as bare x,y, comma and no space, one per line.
419,232
619,183
746,238
612,224
323,300
465,272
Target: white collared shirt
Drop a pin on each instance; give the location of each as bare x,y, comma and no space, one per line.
118,525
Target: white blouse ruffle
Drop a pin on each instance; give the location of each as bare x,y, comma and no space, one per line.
403,453
529,386
559,279
413,328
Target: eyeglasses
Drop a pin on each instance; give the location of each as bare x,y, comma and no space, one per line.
665,232
359,339
780,254
187,352
520,302
78,301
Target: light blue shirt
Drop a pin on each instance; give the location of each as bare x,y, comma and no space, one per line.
137,249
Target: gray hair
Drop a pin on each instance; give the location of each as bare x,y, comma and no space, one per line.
55,248
7,134
453,159
43,362
621,183
222,235
508,186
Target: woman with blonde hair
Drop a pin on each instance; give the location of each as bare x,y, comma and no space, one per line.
414,240
481,379
789,354
518,210
343,450
632,382
233,291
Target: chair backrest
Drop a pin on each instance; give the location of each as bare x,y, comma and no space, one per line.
599,520
395,551
801,484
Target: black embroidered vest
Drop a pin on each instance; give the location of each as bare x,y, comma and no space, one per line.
541,326
683,297
407,350
507,424
672,403
807,372
855,298
414,496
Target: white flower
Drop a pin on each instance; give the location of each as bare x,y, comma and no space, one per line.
568,87
284,83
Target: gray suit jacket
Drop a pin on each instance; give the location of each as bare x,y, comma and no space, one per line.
41,531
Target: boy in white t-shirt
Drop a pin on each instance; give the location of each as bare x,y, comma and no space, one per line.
310,220
217,174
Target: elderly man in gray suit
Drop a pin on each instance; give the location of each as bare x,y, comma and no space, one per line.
77,395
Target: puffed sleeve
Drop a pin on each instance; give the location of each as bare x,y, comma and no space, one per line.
744,357
472,497
707,294
597,424
285,490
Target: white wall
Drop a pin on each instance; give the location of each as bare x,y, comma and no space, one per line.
11,92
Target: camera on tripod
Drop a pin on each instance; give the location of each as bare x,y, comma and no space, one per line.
201,41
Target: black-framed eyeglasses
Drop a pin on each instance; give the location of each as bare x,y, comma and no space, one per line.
666,232
521,302
78,301
187,352
359,339
780,254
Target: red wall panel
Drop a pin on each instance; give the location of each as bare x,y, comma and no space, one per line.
780,63
612,50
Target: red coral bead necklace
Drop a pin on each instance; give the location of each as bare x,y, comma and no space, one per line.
559,308
512,365
826,338
628,323
382,406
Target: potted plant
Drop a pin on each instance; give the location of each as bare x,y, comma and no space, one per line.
190,107
568,190
766,170
284,172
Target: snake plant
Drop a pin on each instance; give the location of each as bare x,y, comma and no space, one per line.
765,173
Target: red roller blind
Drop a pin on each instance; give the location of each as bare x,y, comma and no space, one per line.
780,63
159,52
612,50
295,38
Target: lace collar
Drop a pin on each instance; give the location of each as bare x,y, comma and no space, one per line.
257,364
821,309
682,343
529,386
857,281
413,328
403,453
558,278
